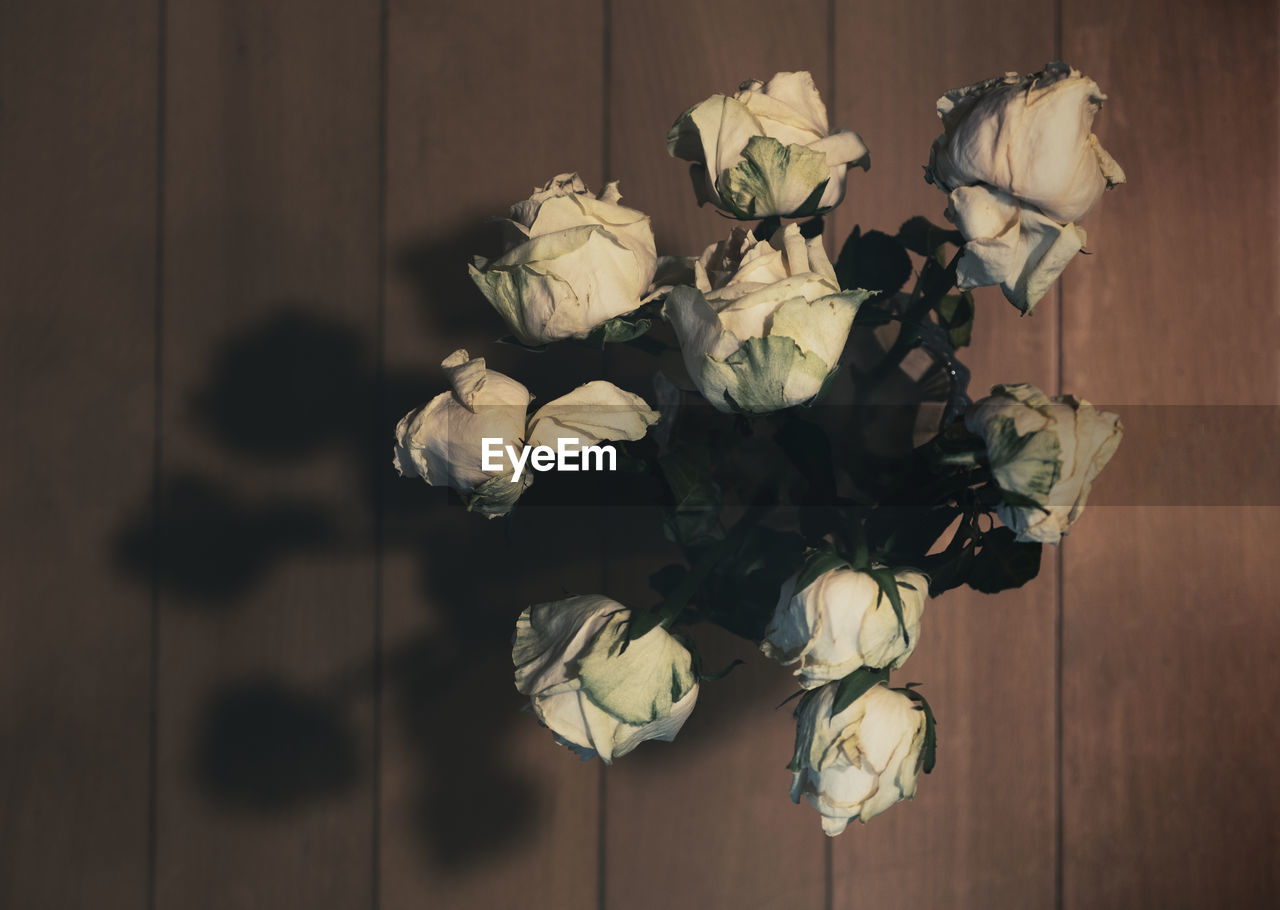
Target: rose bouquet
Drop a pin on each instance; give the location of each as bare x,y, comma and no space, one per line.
797,532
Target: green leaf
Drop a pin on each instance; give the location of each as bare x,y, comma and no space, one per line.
947,570
642,621
516,342
922,236
617,330
1002,562
808,447
800,693
873,261
665,580
955,313
929,751
823,389
819,564
861,559
721,674
855,685
695,518
888,583
742,593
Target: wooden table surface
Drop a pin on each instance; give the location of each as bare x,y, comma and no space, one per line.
242,665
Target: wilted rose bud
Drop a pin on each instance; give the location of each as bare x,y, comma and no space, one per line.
1046,452
1020,165
443,441
842,621
574,262
766,323
767,150
598,693
859,762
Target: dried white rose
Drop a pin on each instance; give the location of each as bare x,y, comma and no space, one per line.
842,621
859,762
574,262
1028,136
1020,165
766,323
1046,452
442,442
767,150
597,696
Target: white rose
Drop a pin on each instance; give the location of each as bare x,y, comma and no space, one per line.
842,621
766,323
1010,245
598,697
441,442
767,150
857,763
1021,166
1028,136
576,261
1043,450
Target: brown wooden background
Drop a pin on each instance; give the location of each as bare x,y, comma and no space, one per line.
243,666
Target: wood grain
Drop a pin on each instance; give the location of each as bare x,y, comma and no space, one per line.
271,274
480,807
77,355
981,830
1169,612
334,722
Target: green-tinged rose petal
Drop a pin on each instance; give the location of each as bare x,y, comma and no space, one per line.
592,413
546,632
1015,422
1028,465
497,495
822,326
640,683
764,375
773,179
564,284
525,298
751,313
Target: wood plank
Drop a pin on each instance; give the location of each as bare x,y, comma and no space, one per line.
480,808
980,832
266,773
77,354
1169,619
705,821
